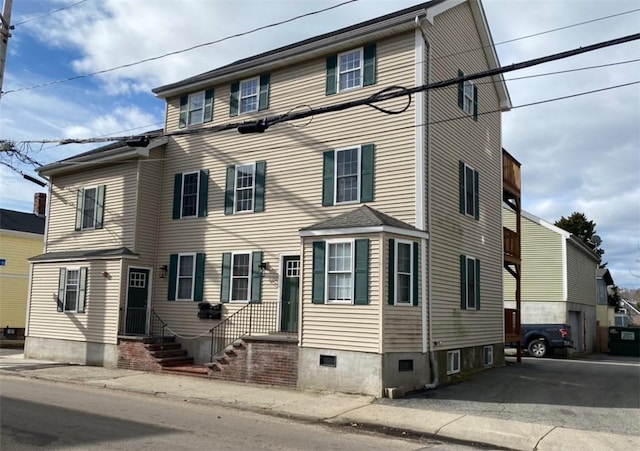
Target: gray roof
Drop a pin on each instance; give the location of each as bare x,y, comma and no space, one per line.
603,273
115,145
229,68
85,254
21,222
363,216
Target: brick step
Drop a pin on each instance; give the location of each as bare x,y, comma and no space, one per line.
188,370
156,347
174,361
159,354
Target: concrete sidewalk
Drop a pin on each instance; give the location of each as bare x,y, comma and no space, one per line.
332,408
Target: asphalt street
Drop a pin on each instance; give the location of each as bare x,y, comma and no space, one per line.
600,393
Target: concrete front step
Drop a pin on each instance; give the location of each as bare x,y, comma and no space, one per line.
188,370
157,347
159,354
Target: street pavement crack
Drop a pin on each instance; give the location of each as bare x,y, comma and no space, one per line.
447,424
542,438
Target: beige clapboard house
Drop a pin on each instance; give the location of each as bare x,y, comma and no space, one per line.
357,251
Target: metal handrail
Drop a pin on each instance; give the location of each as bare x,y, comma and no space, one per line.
157,329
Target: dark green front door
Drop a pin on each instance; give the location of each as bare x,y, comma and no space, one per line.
290,290
136,319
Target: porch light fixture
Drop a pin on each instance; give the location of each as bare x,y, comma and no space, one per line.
264,266
163,271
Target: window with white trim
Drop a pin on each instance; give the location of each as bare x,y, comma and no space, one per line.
89,208
241,276
471,283
340,271
469,191
403,274
467,96
350,70
249,95
189,198
195,113
186,277
72,284
347,175
453,362
244,187
487,355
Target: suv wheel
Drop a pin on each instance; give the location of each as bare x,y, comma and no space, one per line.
538,348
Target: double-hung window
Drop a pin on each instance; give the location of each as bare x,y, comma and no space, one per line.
403,272
72,283
250,95
341,272
241,278
196,108
469,190
468,97
186,277
245,187
90,208
351,70
190,194
348,175
469,283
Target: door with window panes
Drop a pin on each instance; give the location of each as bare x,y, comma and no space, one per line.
290,292
136,316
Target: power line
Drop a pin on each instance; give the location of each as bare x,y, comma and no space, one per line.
154,58
49,13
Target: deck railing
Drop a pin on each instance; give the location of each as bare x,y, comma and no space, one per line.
511,173
511,323
511,243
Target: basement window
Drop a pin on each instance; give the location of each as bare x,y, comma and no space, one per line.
453,362
328,360
405,365
487,352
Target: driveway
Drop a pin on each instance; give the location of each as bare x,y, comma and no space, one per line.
599,393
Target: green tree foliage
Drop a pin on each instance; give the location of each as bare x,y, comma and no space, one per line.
577,224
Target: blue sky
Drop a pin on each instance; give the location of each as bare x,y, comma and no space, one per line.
580,154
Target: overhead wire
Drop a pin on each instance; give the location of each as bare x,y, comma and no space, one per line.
48,14
176,52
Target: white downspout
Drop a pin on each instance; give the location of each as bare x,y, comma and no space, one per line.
421,42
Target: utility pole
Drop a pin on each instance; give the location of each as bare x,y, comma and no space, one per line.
5,34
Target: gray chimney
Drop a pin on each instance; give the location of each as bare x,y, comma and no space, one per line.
40,204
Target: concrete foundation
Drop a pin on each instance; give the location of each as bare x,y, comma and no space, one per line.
354,372
82,353
411,371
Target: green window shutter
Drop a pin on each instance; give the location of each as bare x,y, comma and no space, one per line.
327,178
463,282
332,75
233,100
415,273
208,105
229,192
177,195
62,283
361,276
79,205
476,195
391,262
100,207
261,167
173,277
198,286
263,99
82,290
369,72
225,281
460,90
317,287
256,277
184,105
477,284
203,193
475,103
366,173
462,191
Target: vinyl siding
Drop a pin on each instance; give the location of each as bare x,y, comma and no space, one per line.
119,209
293,188
147,207
99,323
581,277
402,324
454,44
542,262
15,248
338,326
